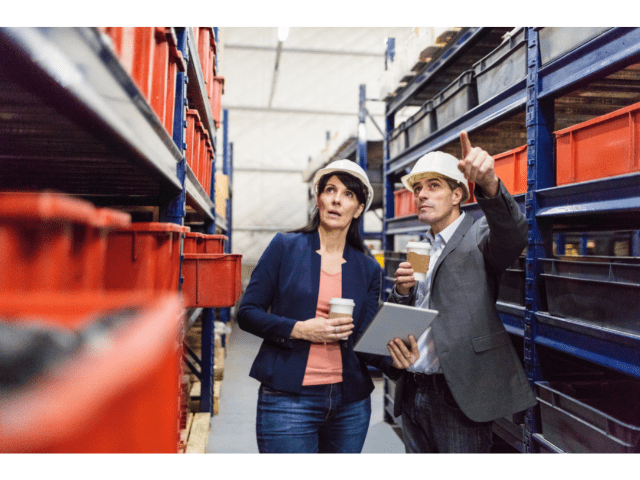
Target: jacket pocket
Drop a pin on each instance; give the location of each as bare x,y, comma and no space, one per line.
488,342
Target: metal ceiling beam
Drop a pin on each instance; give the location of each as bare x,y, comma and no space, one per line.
291,110
305,50
268,170
275,73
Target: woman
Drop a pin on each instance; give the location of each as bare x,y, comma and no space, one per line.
315,391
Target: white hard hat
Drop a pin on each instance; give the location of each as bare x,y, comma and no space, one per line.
346,166
435,164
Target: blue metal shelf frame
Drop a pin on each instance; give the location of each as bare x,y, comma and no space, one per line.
227,169
544,203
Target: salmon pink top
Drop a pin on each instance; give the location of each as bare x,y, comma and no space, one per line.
324,365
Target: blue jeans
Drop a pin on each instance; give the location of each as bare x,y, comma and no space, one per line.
432,422
315,421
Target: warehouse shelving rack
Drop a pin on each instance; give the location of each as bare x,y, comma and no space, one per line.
535,104
74,121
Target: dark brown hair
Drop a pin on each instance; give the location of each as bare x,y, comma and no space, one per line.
357,187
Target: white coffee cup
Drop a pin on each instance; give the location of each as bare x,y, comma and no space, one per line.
419,255
341,307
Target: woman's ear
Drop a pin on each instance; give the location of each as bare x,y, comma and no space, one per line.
359,211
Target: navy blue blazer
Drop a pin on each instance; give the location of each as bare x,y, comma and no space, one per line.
284,289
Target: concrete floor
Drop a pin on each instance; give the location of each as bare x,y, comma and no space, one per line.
233,429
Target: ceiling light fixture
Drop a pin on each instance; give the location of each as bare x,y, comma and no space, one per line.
283,33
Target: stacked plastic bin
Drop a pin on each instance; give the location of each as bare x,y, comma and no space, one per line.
206,42
151,57
199,153
212,279
83,368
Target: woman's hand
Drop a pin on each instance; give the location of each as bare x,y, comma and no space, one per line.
405,280
323,330
402,356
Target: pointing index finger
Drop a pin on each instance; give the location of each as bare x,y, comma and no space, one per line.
465,144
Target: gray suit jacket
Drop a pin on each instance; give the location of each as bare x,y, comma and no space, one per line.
479,362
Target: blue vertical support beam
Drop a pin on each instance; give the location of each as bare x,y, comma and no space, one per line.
173,208
561,241
635,243
225,313
540,169
207,360
391,52
227,169
215,35
230,200
387,185
361,152
207,339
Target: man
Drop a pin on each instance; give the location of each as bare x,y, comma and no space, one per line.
463,372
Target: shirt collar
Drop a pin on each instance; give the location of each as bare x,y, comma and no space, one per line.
446,234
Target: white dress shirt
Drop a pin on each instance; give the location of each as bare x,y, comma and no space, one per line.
428,361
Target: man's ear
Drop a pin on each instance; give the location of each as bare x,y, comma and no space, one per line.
457,195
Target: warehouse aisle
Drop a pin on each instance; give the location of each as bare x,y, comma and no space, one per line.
233,429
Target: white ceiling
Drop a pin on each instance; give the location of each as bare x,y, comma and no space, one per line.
279,119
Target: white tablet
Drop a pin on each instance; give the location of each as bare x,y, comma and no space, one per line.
393,321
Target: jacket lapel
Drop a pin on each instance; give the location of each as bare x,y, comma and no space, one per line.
453,242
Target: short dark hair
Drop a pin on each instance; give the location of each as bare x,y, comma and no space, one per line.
357,187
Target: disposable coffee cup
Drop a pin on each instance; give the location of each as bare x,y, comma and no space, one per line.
418,255
341,307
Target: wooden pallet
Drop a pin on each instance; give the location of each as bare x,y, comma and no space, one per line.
197,436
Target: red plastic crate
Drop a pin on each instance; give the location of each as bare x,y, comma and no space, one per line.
52,242
122,39
210,280
203,156
159,72
192,241
144,256
119,398
176,64
192,140
144,42
511,168
206,51
216,91
403,203
606,146
212,243
208,165
90,249
198,153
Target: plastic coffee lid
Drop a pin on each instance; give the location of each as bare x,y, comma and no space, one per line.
342,301
418,246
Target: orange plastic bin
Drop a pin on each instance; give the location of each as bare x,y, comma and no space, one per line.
403,203
192,139
119,398
215,98
52,242
212,243
211,280
144,256
192,241
606,146
511,168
